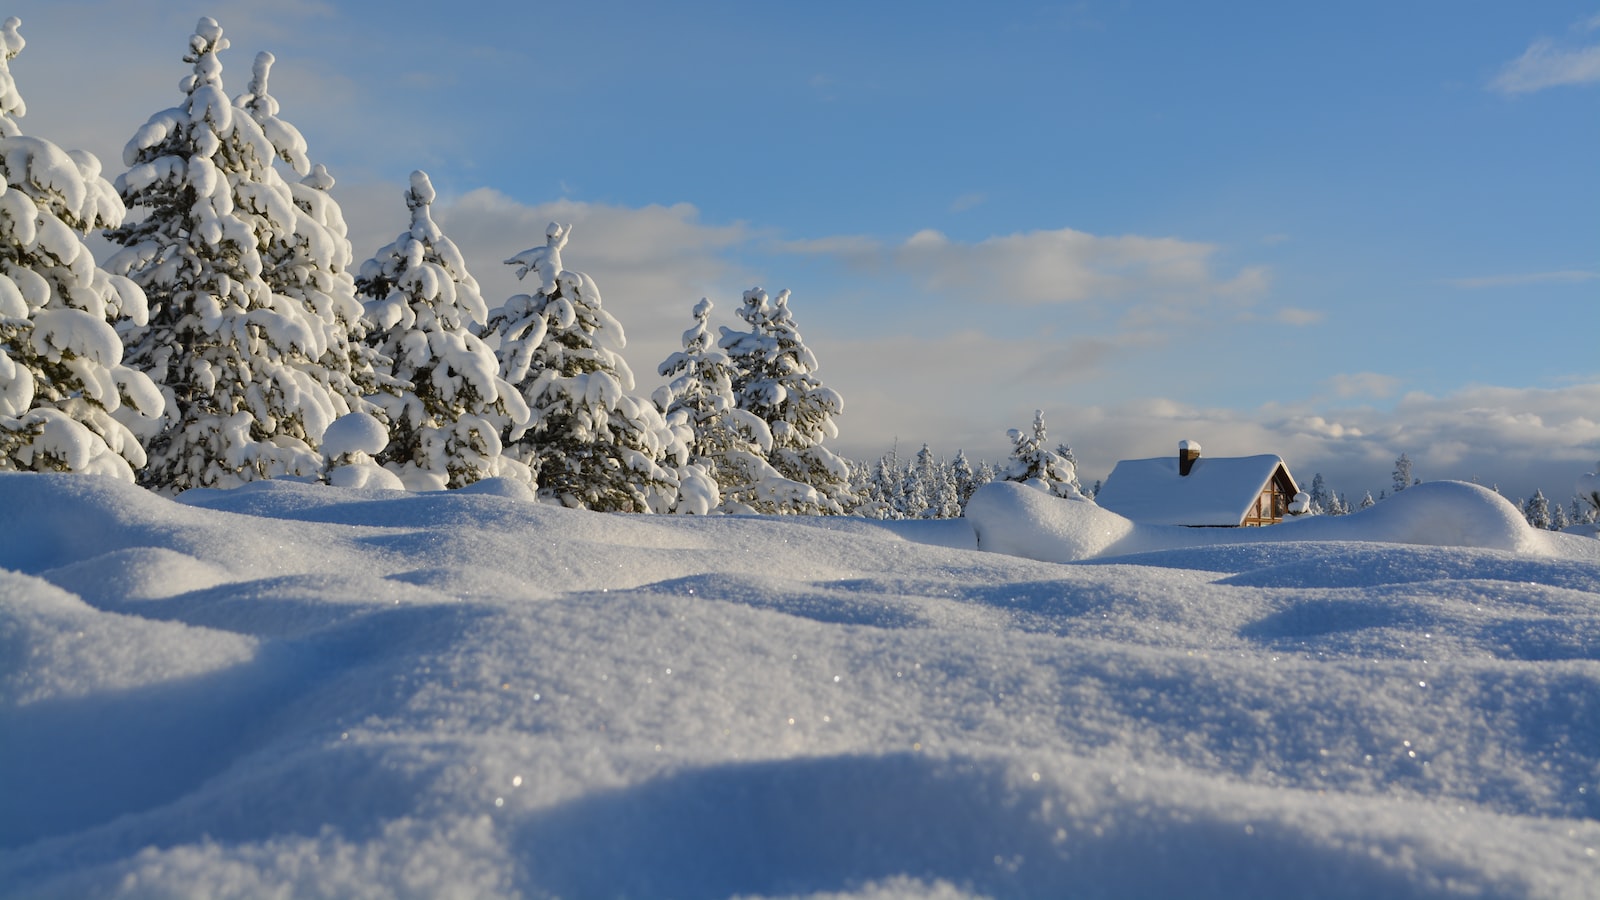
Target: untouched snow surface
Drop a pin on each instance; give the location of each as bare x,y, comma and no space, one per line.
295,690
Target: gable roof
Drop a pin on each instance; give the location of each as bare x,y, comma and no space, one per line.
1217,491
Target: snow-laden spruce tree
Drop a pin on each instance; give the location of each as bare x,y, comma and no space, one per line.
239,365
312,262
1536,510
879,487
445,402
591,442
774,379
1032,461
1402,473
968,479
725,442
61,371
937,486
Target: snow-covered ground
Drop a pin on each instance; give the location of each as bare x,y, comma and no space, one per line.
294,690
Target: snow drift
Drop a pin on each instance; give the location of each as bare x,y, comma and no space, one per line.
297,690
1011,518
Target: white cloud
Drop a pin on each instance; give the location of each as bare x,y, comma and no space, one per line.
1569,276
1363,384
969,200
1520,438
1051,267
1290,315
1549,62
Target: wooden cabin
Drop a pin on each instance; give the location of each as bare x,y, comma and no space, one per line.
1217,492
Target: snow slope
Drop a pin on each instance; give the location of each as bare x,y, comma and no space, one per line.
294,690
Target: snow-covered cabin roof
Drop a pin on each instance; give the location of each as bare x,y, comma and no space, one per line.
1217,491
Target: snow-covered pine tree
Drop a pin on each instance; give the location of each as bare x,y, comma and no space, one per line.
1558,517
1402,473
593,444
931,488
1322,500
774,378
728,443
877,488
1032,461
61,371
1536,510
966,478
238,365
312,262
1367,501
447,405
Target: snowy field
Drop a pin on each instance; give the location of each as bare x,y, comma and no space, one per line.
299,691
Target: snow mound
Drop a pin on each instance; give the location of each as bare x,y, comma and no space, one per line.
354,433
1018,520
1434,513
344,692
1013,519
56,646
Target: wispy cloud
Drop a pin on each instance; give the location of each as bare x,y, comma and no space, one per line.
1567,276
1291,315
1551,62
969,200
1363,384
1048,267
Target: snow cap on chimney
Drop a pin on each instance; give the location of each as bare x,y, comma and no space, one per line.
1188,452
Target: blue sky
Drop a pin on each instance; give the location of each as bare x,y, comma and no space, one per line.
1335,233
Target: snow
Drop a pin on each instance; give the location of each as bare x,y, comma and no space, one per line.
1217,491
291,689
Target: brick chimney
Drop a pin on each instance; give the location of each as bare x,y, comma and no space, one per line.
1188,452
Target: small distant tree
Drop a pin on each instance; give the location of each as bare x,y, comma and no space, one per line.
1321,499
938,495
446,404
878,489
1032,461
1402,473
1581,512
1536,510
61,374
1366,500
966,478
1558,517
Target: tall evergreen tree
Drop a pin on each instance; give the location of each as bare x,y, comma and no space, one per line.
727,443
774,378
312,262
447,405
593,444
239,365
61,371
